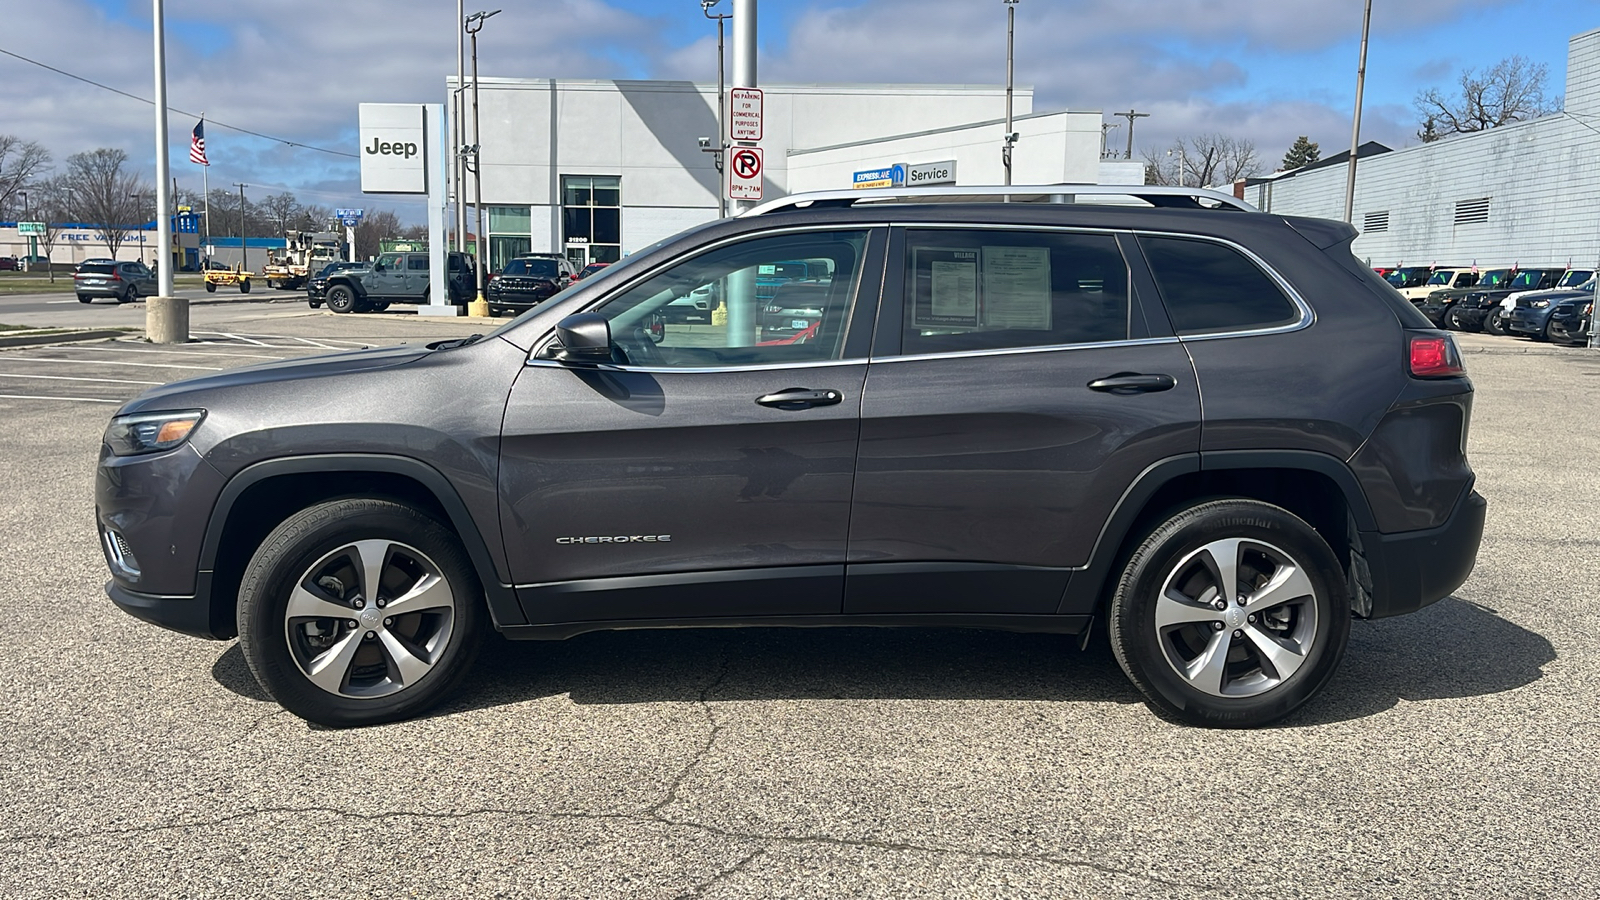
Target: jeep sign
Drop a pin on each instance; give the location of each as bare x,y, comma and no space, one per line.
394,157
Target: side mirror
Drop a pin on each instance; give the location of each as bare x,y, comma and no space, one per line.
584,338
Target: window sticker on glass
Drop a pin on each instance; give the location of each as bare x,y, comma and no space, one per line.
767,269
950,297
1016,288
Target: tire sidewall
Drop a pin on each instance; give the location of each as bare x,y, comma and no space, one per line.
1132,627
292,548
341,299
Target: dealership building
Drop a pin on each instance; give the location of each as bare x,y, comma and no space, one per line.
1526,193
599,169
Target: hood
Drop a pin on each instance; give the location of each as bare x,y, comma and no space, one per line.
176,394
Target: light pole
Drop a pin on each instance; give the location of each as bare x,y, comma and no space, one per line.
166,318
1011,136
1355,121
722,108
458,163
243,256
1183,166
474,24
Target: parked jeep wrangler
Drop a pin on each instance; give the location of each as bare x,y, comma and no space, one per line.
1026,415
396,278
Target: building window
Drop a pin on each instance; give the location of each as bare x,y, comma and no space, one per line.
510,234
1376,221
591,217
1472,212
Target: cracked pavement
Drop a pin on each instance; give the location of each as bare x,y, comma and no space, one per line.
1453,755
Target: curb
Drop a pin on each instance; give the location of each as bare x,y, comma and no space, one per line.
64,338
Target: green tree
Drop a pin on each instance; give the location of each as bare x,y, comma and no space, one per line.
1304,152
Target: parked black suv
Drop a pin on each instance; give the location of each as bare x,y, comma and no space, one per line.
529,280
317,284
996,422
396,278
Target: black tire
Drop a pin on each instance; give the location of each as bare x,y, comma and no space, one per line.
1453,320
1495,321
1544,333
341,298
244,285
314,304
211,287
83,299
383,668
379,306
1153,634
131,295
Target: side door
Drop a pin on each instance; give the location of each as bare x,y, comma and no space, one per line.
707,470
1021,380
417,276
388,276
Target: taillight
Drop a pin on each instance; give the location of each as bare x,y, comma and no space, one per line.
116,276
1434,356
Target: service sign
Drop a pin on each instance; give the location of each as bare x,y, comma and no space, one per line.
923,174
394,157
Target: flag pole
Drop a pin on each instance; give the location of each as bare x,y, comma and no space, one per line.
205,193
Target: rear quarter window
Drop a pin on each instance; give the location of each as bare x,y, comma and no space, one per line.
1211,288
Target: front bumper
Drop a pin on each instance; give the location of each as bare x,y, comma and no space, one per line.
1528,321
1412,569
189,614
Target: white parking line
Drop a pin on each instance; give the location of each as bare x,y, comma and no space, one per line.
177,352
237,337
4,375
325,343
108,362
69,399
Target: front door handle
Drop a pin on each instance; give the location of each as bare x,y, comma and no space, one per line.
1133,383
800,398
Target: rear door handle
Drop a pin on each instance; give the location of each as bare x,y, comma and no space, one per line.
1133,383
800,398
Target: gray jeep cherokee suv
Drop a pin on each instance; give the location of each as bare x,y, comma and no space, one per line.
1212,429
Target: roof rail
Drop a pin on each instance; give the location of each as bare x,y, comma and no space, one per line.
1155,195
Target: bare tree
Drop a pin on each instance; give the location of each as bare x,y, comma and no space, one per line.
379,225
1512,90
280,208
106,196
313,218
1201,161
20,162
48,199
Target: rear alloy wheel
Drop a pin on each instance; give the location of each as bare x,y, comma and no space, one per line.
359,611
131,295
1453,319
1231,614
341,298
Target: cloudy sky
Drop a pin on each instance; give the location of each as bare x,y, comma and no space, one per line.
1266,70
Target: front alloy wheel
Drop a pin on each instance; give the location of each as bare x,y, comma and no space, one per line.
1232,613
359,611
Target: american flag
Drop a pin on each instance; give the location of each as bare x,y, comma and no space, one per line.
197,144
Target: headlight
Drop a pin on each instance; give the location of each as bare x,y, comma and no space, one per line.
1539,304
151,432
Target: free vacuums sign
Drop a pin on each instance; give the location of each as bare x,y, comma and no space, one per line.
393,149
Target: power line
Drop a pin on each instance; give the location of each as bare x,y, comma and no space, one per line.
105,87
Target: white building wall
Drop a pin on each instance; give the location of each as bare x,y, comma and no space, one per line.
1052,148
1583,75
536,130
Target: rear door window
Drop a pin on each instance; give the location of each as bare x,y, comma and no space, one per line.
981,289
1211,288
416,262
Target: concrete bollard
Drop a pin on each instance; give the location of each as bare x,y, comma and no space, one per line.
166,320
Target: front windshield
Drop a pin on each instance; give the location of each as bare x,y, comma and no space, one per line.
1527,279
1441,278
1575,277
1494,278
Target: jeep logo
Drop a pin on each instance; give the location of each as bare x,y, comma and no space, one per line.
386,148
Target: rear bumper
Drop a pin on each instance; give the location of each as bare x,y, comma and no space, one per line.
1412,569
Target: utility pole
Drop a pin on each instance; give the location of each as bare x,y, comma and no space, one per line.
480,305
1011,136
244,257
1105,128
1130,115
458,161
721,146
1355,121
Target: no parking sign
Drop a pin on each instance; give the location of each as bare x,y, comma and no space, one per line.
744,173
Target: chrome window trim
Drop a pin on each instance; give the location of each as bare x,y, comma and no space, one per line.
699,370
1308,316
1012,351
543,341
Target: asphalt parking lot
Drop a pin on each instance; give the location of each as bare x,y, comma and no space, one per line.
1456,753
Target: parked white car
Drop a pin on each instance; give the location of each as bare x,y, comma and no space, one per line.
1440,279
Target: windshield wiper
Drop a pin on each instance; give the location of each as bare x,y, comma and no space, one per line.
458,342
